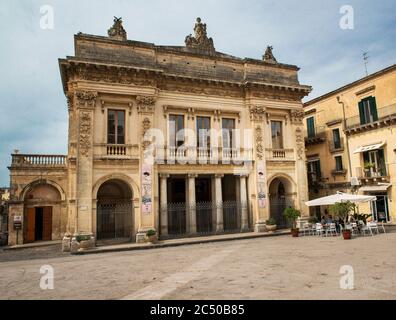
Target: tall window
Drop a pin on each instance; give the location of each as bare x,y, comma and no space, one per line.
374,163
314,171
339,165
203,134
116,127
311,127
336,139
228,126
277,135
176,125
368,110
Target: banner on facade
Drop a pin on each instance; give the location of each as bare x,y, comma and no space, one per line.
147,182
261,184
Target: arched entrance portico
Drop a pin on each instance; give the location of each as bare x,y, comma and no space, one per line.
114,211
281,196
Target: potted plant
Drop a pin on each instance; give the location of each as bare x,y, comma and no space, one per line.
342,210
270,225
368,166
152,236
292,215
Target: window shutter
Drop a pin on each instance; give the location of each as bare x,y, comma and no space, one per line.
318,170
366,158
373,108
361,112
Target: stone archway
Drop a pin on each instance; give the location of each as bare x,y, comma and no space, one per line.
115,217
281,196
42,214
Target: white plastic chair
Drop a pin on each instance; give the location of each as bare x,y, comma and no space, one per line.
373,227
365,229
305,229
354,228
381,226
319,230
332,230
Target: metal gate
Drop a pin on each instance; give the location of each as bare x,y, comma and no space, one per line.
204,212
231,216
114,220
177,222
277,206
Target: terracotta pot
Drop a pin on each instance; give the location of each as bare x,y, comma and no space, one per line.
347,234
271,228
295,233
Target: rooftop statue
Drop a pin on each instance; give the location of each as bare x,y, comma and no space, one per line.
201,40
117,31
269,56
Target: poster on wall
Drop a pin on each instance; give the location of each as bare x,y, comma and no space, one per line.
262,184
147,189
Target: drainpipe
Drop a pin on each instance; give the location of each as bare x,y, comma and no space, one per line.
346,136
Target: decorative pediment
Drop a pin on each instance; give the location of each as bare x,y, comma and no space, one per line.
117,31
201,40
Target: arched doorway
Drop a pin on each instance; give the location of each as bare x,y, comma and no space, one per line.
42,213
281,197
114,211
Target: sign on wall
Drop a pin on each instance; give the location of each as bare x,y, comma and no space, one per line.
261,184
147,182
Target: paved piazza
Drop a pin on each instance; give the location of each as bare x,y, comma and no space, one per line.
265,268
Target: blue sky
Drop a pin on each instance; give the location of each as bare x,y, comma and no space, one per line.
305,33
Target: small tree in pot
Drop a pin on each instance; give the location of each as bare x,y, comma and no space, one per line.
292,215
152,236
342,210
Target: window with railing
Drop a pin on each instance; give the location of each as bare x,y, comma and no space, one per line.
228,130
374,163
176,127
336,139
339,166
116,127
314,171
277,134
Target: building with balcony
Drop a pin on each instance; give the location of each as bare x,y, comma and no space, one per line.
357,152
184,140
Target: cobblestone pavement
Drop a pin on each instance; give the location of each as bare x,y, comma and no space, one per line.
265,268
32,253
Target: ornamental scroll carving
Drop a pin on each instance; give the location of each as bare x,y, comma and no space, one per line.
146,127
145,104
300,143
85,133
259,143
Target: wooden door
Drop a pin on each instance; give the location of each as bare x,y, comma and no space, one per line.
31,225
47,223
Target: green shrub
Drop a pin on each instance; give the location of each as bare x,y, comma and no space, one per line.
270,222
151,233
80,238
292,215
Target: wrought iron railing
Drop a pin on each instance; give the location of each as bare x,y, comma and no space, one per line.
388,112
335,146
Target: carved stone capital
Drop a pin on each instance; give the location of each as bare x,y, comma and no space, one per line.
297,116
85,99
257,113
164,176
146,104
192,176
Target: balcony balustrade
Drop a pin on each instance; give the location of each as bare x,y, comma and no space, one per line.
280,154
373,174
38,161
318,136
386,116
337,146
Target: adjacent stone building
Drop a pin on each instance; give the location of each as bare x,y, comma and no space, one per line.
121,178
350,136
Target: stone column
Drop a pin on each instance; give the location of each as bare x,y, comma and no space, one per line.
191,203
244,203
85,106
219,203
164,204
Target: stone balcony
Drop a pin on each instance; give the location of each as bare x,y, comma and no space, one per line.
280,155
319,136
34,161
116,151
372,176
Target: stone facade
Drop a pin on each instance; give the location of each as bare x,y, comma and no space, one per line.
364,115
144,86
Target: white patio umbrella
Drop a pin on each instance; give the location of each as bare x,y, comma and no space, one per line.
340,197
